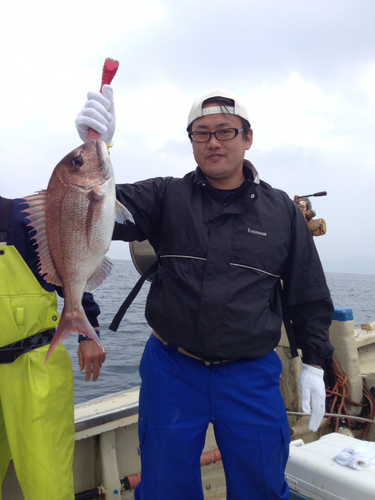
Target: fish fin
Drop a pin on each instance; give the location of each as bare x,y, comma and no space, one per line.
101,273
122,213
72,322
37,218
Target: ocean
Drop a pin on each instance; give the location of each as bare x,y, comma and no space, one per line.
125,347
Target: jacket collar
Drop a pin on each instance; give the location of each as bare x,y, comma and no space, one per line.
249,171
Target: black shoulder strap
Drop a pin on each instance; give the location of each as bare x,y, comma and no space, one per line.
5,214
132,295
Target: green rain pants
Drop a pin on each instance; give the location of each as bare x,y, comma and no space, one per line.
36,398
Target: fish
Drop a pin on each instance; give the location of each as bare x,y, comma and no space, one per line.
74,220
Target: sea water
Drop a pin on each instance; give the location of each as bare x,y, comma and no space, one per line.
124,347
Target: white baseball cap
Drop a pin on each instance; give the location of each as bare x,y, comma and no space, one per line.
197,110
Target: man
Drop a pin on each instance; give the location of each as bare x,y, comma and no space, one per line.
36,397
226,243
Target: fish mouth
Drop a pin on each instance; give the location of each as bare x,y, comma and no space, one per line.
102,150
103,167
103,157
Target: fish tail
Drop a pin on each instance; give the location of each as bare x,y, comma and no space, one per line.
72,322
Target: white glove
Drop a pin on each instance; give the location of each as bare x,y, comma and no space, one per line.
358,456
98,114
313,393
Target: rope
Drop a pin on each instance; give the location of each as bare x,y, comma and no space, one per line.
133,479
210,457
338,398
345,417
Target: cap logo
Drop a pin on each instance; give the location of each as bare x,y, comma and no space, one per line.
217,109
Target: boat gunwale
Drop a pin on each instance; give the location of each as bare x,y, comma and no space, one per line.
111,413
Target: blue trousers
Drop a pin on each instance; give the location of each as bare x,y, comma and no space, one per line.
180,396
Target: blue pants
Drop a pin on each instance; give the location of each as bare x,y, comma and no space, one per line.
180,396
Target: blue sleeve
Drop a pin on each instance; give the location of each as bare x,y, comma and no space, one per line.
92,311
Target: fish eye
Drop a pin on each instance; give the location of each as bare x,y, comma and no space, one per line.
77,162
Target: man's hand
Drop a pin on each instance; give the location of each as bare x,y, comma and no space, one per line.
313,393
91,357
99,114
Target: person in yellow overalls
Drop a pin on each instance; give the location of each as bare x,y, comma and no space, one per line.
36,398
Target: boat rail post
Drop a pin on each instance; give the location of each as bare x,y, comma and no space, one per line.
109,473
341,335
289,381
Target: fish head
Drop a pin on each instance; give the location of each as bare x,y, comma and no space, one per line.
87,166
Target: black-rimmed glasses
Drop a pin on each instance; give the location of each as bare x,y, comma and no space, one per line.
224,134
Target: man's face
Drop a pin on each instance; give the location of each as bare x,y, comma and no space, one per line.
221,161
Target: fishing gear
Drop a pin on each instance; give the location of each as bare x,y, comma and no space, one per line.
320,193
316,226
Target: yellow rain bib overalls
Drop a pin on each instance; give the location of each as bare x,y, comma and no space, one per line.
36,398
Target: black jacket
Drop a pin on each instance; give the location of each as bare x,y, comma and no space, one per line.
217,292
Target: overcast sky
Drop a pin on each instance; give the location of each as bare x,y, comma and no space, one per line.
305,68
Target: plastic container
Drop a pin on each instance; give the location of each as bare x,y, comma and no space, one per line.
313,473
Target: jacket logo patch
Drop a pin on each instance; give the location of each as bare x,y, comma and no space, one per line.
260,233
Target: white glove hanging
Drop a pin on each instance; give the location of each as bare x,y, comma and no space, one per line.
313,393
98,114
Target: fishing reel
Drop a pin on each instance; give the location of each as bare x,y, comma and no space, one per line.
316,226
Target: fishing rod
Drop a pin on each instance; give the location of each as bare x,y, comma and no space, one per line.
320,193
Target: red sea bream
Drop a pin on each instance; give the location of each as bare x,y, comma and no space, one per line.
74,220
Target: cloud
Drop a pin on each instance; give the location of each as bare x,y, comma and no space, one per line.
305,69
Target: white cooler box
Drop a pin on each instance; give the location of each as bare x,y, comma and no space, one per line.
312,472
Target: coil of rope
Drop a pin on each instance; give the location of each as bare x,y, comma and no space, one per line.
338,398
